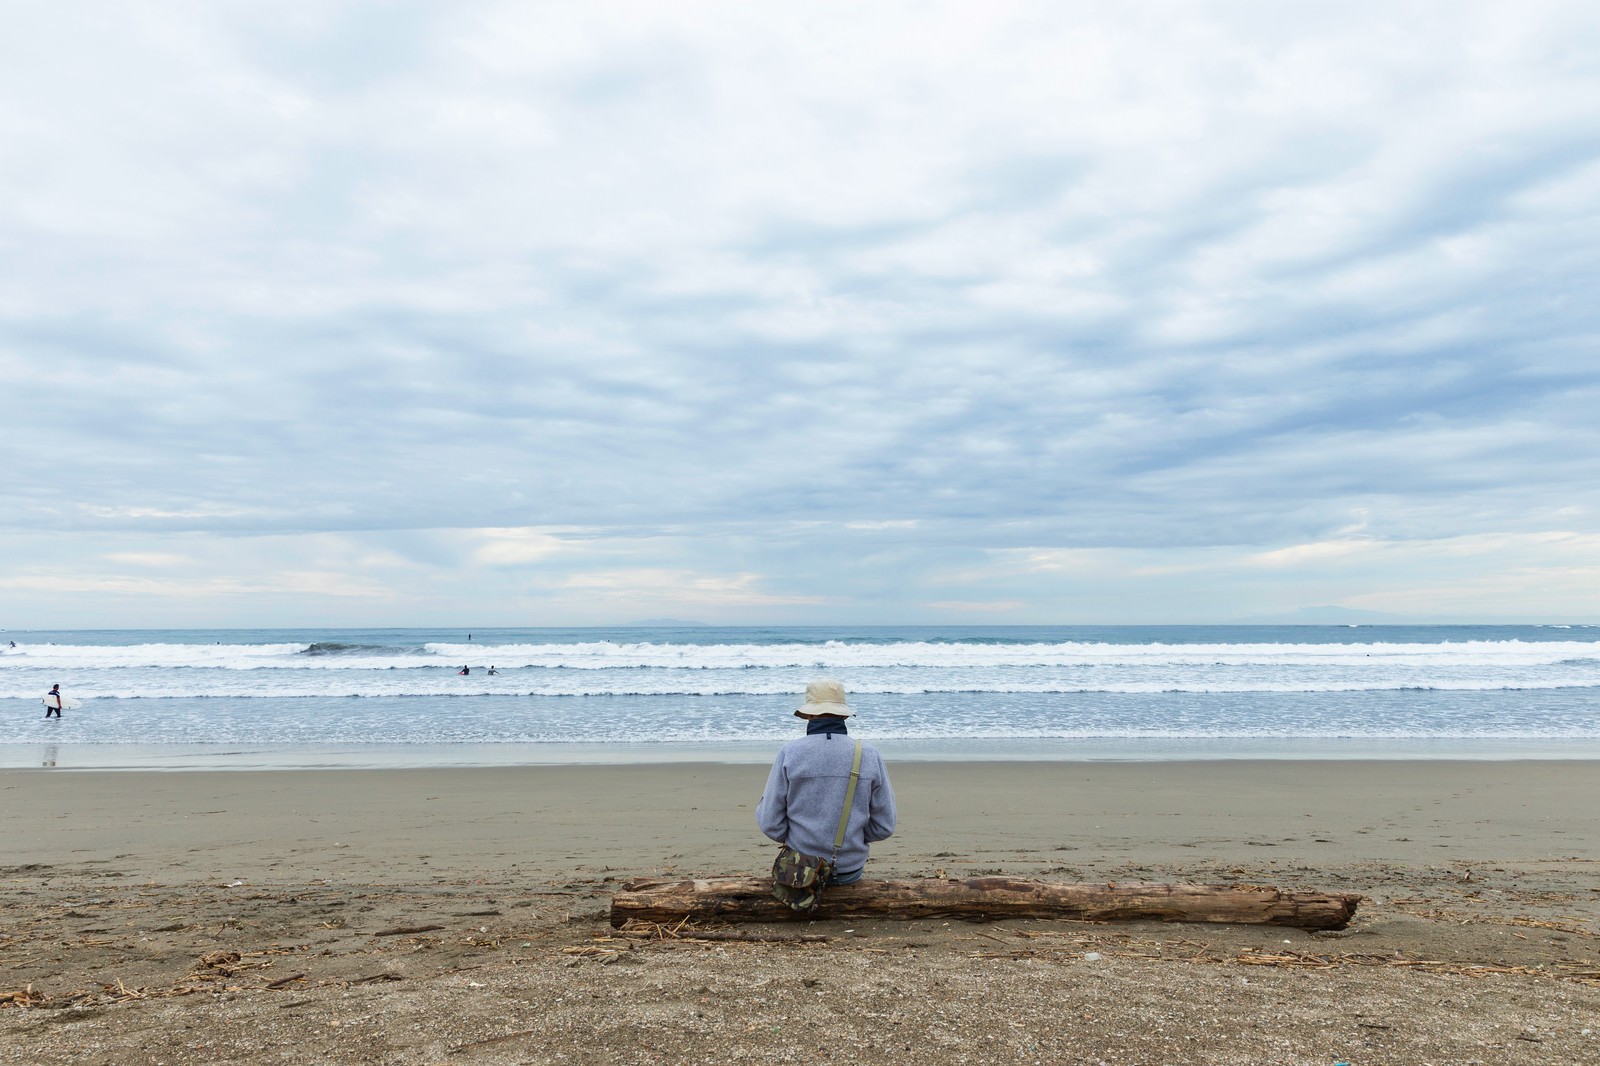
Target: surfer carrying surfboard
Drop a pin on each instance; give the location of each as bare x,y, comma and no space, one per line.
52,702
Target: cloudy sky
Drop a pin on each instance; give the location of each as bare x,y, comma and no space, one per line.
474,313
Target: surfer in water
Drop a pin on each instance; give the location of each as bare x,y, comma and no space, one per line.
53,698
464,671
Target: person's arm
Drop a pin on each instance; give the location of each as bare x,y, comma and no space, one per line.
881,813
772,813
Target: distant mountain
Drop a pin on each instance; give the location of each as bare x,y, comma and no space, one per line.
661,623
1325,616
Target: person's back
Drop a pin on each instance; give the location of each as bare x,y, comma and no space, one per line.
806,788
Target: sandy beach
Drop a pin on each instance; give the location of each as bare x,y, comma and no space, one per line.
461,915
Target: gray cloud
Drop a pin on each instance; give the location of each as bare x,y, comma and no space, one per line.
736,299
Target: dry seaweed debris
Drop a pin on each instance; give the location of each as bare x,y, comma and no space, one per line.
685,929
407,930
520,1034
1569,925
1081,944
1305,960
121,993
27,997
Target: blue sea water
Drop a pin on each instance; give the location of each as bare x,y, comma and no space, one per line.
278,698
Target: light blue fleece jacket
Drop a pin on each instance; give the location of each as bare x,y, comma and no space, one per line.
805,793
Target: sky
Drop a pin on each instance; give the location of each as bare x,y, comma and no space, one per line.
515,314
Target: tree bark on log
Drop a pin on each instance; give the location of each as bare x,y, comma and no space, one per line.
735,899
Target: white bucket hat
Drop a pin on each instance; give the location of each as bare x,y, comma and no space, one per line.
824,697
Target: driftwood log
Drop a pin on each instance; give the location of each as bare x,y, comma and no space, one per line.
735,899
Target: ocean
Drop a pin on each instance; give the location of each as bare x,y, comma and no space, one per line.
267,699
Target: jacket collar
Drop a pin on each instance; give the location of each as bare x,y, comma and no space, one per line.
826,725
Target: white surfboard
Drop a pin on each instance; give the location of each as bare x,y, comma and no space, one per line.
67,702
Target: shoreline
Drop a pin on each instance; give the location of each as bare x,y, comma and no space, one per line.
79,757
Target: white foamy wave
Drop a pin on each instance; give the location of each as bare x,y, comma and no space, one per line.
220,656
832,655
602,655
192,685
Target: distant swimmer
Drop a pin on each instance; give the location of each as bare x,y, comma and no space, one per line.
492,671
463,672
52,702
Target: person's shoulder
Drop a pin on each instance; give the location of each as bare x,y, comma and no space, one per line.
868,751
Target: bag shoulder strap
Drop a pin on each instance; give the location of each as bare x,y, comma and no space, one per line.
849,801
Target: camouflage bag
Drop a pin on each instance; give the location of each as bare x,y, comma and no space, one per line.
797,878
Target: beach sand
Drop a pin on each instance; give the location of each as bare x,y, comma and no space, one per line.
461,916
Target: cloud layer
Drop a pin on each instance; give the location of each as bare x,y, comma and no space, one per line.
350,312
